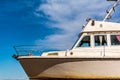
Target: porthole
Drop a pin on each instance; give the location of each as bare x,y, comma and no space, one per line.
71,53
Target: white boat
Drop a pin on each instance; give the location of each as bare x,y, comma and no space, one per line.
95,55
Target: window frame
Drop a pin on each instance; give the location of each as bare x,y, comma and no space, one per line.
100,34
115,34
81,38
104,43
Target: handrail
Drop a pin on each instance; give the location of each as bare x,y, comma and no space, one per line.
28,50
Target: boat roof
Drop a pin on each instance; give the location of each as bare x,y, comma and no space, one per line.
101,26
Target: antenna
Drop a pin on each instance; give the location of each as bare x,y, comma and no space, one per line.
108,16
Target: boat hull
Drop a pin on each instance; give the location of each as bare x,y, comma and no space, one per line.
71,68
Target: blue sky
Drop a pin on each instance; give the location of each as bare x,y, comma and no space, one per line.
43,22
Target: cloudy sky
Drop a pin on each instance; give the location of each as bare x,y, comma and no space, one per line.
52,24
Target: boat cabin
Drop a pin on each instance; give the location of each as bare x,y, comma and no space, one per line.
99,34
99,37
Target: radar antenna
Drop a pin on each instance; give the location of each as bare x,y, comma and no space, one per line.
108,15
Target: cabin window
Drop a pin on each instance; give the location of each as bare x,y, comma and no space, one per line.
115,39
100,40
85,42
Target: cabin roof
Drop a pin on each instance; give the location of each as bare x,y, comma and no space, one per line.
101,26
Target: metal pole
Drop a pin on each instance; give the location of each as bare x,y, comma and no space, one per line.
111,10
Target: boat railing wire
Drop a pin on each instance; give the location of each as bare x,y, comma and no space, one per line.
25,50
28,50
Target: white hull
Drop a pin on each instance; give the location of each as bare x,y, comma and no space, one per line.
71,68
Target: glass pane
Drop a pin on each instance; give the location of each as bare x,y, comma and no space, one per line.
115,39
85,42
100,40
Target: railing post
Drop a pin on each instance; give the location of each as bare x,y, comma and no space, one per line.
104,51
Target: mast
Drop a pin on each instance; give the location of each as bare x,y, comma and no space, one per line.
108,15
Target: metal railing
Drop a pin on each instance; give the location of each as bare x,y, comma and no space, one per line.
25,50
35,50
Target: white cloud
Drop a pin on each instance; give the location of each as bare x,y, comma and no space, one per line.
69,16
